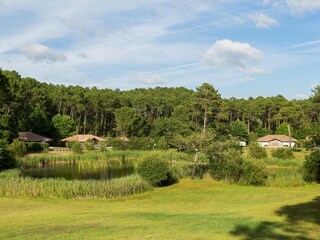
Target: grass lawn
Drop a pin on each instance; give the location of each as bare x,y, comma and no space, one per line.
200,209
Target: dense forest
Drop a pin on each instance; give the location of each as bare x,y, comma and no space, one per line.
58,111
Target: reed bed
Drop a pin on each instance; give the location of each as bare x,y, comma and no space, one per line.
285,177
108,156
12,184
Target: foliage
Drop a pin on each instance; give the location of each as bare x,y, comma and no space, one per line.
282,153
282,129
252,174
76,147
37,147
70,144
239,129
312,167
230,166
7,160
18,148
156,171
129,123
64,126
89,145
207,101
66,189
256,151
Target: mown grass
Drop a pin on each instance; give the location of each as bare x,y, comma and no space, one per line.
12,184
199,209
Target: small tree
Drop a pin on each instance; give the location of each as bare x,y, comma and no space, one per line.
256,151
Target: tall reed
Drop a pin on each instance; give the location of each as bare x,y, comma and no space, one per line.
11,184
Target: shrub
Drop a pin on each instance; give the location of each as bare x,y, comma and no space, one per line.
156,171
230,166
89,145
282,153
7,160
34,147
70,144
226,165
256,151
44,146
252,174
18,148
312,167
76,147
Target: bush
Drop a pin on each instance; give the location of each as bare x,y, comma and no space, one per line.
18,148
312,167
257,152
70,144
76,147
252,174
230,166
34,147
7,160
157,171
134,143
282,153
44,146
89,145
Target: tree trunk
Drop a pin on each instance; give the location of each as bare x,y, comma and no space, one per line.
289,131
204,122
194,165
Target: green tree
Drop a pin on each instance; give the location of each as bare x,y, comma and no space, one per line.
238,129
208,102
63,125
129,123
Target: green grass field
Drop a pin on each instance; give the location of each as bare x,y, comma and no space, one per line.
200,209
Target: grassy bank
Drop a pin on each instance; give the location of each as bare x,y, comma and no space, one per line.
189,210
11,184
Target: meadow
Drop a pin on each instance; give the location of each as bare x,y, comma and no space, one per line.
198,209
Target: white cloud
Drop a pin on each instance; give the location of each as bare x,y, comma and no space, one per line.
303,6
301,96
246,79
152,79
235,55
296,7
263,21
39,52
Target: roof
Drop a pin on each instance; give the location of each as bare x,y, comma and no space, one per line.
83,138
282,138
32,137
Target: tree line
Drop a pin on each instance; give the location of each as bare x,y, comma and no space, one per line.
161,113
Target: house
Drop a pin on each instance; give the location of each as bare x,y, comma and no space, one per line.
82,138
277,141
32,137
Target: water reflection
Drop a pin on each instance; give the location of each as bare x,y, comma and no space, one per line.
82,171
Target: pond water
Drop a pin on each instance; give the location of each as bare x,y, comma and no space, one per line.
82,171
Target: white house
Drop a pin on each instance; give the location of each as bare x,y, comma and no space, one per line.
277,141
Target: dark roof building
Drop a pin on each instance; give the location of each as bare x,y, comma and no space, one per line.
32,137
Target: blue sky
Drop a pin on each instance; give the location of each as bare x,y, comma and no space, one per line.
244,47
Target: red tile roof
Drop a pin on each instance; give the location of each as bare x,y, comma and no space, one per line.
282,138
32,137
83,138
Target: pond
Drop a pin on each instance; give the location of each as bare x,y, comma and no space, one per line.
82,171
